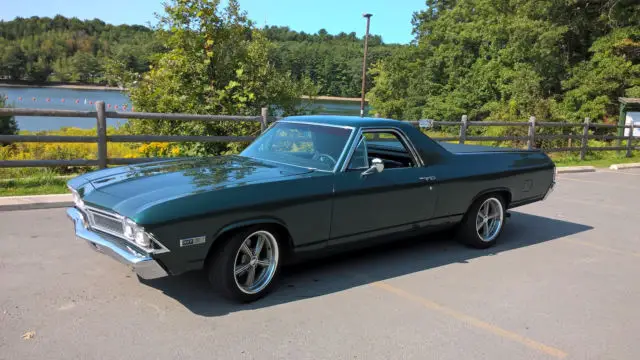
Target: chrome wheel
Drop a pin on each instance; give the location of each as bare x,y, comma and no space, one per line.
489,219
256,262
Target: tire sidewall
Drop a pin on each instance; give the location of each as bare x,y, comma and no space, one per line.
469,234
221,271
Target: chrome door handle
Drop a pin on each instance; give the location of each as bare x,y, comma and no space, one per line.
427,178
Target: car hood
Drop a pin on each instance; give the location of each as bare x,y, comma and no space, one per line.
129,190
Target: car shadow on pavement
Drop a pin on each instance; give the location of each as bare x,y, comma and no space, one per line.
352,269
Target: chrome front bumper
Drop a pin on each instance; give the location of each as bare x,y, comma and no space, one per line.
144,265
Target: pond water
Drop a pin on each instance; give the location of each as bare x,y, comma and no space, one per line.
74,99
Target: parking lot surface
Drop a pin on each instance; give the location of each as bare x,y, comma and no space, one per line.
563,283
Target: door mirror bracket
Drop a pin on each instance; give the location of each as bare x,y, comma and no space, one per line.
376,166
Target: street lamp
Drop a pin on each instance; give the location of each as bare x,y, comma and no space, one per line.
364,63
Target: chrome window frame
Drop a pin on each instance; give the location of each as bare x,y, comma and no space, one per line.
381,129
342,153
359,140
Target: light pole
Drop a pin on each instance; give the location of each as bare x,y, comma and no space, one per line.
364,63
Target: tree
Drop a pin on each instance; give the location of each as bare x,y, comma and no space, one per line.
217,63
509,59
8,124
13,62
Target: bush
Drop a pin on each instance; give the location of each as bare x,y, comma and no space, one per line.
8,124
71,151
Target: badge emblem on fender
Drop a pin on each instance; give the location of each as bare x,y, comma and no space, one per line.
192,241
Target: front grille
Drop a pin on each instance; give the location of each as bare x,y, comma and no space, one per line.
106,222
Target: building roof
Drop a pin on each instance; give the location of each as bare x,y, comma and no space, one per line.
626,100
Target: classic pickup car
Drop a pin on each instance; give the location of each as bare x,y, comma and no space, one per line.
306,186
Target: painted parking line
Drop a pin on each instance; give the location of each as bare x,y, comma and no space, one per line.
622,209
603,248
620,172
562,178
506,334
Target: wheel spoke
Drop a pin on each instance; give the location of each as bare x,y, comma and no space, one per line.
259,245
263,263
480,223
486,230
242,269
250,276
245,249
256,262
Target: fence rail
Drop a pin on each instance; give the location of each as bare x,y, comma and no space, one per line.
102,139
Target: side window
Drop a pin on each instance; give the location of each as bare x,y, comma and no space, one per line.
359,160
385,145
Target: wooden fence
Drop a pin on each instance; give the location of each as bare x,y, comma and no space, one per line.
532,125
102,138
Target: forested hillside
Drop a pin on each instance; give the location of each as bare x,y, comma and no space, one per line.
72,50
509,59
501,60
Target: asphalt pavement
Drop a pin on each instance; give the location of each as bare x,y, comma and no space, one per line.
563,283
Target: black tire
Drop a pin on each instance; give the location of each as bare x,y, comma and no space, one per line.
468,233
221,271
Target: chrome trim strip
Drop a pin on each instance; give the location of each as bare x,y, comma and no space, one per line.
352,149
143,264
341,159
403,137
318,124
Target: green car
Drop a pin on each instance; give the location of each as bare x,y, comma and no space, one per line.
309,185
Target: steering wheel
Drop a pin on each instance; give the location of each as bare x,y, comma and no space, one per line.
322,157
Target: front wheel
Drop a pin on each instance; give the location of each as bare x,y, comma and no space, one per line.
247,265
483,223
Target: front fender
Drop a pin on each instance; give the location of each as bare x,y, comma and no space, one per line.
248,222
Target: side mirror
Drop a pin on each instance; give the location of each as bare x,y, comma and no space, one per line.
376,166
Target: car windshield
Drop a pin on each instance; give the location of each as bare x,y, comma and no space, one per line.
306,145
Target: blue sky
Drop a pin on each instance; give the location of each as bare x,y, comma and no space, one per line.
391,18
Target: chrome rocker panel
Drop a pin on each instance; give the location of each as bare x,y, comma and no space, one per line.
144,265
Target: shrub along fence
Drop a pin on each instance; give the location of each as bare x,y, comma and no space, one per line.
577,131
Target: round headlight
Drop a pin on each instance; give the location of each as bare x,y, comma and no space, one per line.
142,238
130,228
77,200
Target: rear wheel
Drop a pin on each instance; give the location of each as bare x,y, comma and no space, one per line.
483,223
247,265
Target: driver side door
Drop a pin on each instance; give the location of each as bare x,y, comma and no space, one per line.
395,199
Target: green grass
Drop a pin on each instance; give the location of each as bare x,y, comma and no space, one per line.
36,185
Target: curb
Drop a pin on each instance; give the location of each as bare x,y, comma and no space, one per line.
11,203
575,169
625,166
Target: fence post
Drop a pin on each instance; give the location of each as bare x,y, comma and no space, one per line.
463,129
263,120
532,133
585,138
102,134
630,140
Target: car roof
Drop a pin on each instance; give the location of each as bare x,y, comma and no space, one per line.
344,120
